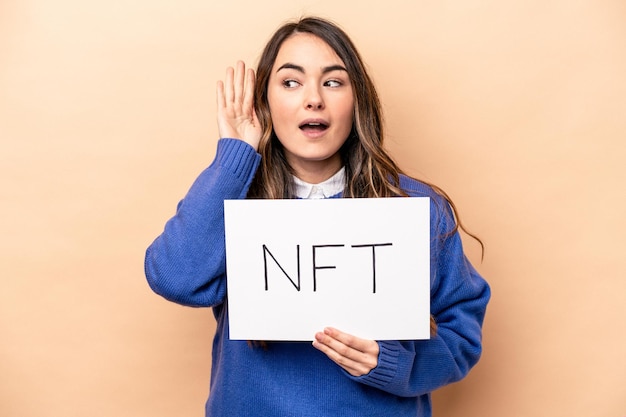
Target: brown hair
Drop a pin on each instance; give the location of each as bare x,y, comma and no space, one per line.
370,171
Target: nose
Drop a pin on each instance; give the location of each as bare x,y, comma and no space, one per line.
313,99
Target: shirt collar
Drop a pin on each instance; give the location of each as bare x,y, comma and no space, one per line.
332,186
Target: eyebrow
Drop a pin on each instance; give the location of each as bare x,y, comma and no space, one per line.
299,68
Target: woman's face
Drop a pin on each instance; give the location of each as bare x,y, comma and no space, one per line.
311,105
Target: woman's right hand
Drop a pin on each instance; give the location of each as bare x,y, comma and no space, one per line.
236,117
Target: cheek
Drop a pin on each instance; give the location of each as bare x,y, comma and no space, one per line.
280,108
347,117
275,113
280,124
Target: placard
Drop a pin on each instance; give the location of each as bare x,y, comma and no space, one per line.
359,265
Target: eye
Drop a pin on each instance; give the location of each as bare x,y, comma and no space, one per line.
290,83
333,83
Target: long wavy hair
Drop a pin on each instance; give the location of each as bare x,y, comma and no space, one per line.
370,171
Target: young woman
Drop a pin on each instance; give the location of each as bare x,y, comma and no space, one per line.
309,125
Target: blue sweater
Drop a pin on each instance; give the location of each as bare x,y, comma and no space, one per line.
186,264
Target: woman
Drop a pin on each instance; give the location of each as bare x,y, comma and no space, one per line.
310,126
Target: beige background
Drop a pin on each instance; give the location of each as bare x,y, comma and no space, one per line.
516,108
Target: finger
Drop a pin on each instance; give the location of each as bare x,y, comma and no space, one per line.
229,90
323,343
355,343
248,98
240,73
221,101
352,367
355,355
255,119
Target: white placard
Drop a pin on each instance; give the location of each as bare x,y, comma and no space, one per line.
359,265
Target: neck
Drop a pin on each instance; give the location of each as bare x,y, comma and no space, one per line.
315,172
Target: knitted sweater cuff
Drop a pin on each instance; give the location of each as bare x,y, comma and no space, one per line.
238,156
386,370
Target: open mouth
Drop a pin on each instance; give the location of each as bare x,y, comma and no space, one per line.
314,126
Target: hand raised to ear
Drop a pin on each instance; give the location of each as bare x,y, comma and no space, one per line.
357,356
236,117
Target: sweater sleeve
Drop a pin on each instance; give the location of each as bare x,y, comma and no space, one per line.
459,297
186,264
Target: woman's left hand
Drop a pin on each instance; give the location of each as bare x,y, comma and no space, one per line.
357,356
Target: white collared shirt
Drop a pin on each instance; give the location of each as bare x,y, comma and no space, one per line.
333,185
